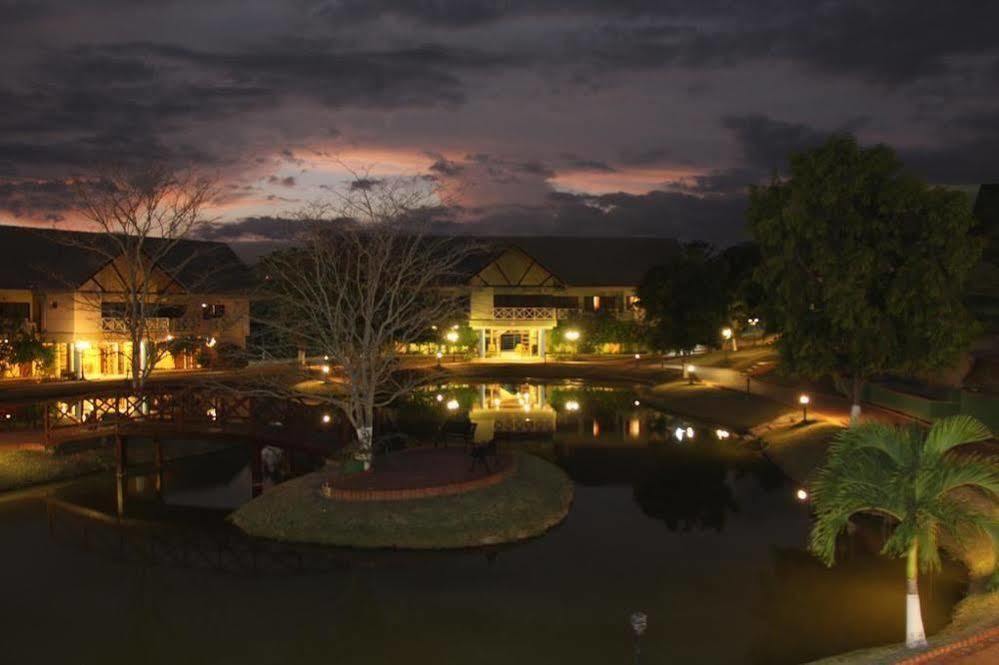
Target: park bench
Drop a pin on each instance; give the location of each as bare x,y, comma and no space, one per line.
462,431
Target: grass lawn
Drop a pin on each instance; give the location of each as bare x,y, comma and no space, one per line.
20,469
534,499
800,449
740,360
732,409
23,468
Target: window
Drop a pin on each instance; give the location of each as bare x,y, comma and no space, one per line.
117,310
15,311
212,311
534,300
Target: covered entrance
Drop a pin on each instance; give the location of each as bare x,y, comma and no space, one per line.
513,343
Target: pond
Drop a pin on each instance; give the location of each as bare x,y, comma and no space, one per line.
677,519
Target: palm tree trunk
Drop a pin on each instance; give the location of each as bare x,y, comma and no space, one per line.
857,388
915,636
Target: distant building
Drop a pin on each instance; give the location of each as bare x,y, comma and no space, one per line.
522,287
66,292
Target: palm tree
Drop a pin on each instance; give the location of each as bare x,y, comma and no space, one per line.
916,480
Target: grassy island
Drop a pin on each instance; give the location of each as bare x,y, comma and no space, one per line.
532,500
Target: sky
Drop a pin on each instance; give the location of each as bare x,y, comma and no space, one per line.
584,117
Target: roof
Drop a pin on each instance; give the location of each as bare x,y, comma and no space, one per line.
54,259
578,261
575,261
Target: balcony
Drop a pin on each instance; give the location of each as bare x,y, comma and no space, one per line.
523,313
155,327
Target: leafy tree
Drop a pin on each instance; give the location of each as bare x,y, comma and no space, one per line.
916,480
863,265
742,290
684,300
22,346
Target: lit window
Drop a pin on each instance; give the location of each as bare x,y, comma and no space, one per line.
212,311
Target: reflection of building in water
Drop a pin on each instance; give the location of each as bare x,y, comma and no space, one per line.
509,410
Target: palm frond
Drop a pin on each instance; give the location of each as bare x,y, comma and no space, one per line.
972,471
947,433
886,439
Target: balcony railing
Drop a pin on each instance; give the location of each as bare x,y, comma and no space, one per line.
154,326
524,313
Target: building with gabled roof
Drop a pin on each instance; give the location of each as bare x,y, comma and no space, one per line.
63,285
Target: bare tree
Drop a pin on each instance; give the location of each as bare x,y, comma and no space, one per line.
367,281
142,215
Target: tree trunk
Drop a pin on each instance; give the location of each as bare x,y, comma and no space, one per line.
365,436
915,636
855,394
136,364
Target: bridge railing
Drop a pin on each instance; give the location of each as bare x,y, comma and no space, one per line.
194,407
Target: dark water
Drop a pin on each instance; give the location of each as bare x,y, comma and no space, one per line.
702,534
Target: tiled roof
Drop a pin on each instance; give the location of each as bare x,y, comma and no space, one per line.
54,259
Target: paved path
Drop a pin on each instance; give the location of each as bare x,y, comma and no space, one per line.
834,408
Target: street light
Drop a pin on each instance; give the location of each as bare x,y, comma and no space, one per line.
801,495
572,405
688,371
803,400
452,337
728,337
639,622
573,336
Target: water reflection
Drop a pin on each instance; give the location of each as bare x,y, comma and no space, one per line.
699,532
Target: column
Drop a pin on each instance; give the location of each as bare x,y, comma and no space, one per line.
77,362
482,342
542,334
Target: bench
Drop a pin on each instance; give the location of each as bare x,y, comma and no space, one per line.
462,431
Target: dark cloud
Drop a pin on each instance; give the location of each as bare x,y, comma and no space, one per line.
536,93
574,161
766,143
34,200
362,184
718,220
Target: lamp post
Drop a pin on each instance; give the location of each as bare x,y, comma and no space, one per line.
803,400
439,356
573,336
688,371
639,622
727,336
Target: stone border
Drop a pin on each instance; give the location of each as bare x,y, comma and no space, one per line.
328,491
948,649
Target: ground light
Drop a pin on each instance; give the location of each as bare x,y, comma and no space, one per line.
803,400
639,622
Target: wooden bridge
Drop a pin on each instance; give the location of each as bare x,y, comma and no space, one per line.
180,411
